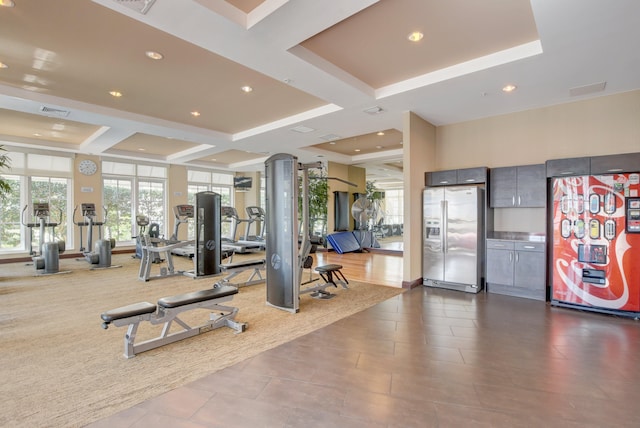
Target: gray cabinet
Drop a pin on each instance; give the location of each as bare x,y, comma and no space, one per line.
472,175
456,176
441,178
567,167
596,165
518,186
615,164
516,268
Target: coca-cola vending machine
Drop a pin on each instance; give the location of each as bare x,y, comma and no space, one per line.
595,262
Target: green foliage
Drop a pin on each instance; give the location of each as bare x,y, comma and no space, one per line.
318,201
5,187
373,194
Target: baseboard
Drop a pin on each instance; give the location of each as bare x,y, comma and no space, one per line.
412,284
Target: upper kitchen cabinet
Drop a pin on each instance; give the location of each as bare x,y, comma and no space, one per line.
456,176
472,175
441,178
567,167
615,164
518,186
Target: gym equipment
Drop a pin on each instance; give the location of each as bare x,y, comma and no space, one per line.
256,214
239,246
47,259
152,249
234,269
154,232
344,242
208,253
101,256
182,213
167,310
285,259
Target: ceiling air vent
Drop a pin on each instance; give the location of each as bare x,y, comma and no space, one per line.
141,6
374,110
587,89
302,129
331,137
54,111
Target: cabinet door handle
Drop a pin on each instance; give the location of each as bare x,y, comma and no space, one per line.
529,247
517,257
513,201
519,201
510,256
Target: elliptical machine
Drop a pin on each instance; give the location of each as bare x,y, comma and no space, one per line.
101,256
154,235
47,259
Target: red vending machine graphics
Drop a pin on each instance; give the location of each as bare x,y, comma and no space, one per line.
596,242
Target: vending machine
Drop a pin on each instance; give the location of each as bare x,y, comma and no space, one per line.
595,263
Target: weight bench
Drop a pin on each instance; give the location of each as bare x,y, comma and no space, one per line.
327,273
238,267
167,310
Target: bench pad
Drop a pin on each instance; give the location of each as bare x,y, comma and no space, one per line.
328,268
242,264
128,311
197,296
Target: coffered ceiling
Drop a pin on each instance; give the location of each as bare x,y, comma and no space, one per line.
326,77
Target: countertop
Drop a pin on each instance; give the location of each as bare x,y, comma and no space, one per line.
518,236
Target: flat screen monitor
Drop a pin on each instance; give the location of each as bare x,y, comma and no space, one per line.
242,183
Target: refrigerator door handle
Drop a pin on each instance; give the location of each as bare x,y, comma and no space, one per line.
445,225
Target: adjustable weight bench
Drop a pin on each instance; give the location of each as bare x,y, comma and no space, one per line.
167,310
233,269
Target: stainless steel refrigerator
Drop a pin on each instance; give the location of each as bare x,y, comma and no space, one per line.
453,237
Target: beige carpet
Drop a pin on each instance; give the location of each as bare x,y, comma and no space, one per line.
60,368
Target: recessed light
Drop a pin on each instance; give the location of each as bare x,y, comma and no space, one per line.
195,113
356,150
509,88
3,65
380,133
154,55
333,143
214,159
416,36
7,3
378,147
246,89
141,149
37,134
116,94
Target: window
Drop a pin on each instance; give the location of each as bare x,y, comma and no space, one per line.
11,236
129,190
393,200
204,181
118,203
35,177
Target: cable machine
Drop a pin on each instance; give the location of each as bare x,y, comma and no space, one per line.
285,259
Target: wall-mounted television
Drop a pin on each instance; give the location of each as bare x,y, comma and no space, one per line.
242,183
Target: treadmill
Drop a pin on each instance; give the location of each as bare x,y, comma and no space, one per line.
230,214
183,213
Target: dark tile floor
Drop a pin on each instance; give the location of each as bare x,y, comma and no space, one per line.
426,358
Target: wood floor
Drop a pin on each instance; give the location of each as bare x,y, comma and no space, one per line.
426,358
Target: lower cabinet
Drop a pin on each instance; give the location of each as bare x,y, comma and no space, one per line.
516,268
